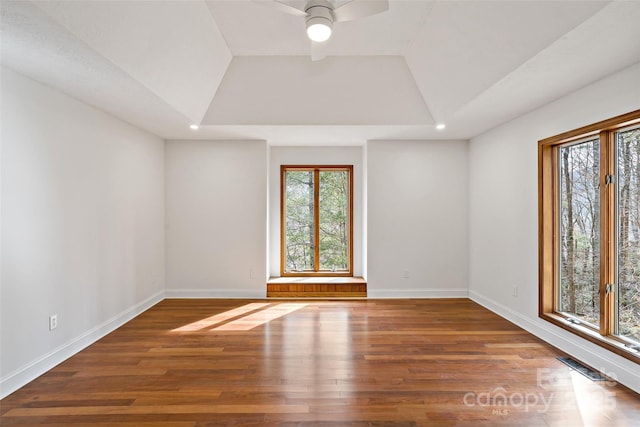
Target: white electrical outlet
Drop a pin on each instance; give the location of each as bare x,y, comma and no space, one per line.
514,291
252,274
53,322
405,273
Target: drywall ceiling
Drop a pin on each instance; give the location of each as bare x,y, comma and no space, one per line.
241,69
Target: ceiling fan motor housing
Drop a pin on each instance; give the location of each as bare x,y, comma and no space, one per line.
319,12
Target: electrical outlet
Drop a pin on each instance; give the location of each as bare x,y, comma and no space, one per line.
252,274
53,322
514,291
405,273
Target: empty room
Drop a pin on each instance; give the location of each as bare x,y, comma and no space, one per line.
320,213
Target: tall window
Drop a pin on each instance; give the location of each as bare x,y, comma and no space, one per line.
589,183
316,220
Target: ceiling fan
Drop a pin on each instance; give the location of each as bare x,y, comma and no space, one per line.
321,14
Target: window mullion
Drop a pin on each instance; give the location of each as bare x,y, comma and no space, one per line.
607,232
316,220
554,221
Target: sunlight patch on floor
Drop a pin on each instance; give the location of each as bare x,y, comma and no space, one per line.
596,401
261,317
221,317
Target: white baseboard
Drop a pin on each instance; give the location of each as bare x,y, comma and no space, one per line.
262,294
417,293
33,370
582,350
216,293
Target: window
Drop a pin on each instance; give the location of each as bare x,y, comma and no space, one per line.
316,220
589,213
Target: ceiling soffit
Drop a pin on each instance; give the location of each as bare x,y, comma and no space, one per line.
466,47
41,49
173,48
266,90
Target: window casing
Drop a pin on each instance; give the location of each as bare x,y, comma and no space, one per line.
589,232
316,213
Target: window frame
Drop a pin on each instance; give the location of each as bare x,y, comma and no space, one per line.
549,233
316,272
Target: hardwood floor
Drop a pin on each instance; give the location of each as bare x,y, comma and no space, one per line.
319,363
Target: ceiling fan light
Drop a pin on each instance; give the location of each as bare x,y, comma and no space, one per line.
319,28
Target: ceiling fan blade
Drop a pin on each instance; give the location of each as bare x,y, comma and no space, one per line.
359,9
318,51
282,7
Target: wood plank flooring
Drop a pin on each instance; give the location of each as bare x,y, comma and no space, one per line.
319,363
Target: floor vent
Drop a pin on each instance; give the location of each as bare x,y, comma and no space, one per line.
577,366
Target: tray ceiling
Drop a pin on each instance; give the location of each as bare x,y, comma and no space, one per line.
242,70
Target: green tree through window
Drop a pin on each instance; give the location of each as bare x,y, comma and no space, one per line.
316,220
589,193
627,304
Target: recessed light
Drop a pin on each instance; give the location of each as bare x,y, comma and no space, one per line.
194,127
440,126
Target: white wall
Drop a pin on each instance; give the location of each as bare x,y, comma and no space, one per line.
417,218
82,226
504,212
216,233
314,156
